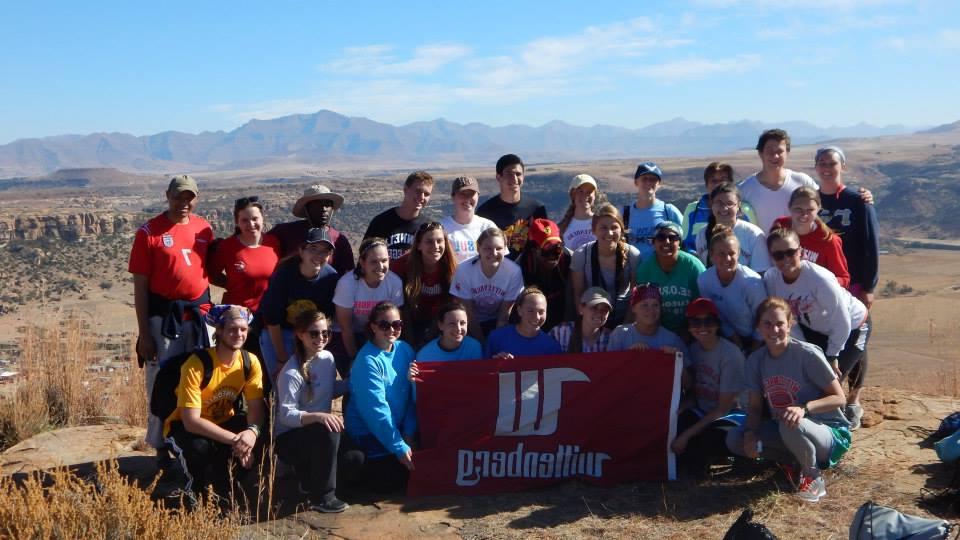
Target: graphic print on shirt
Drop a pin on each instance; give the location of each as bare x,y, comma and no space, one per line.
780,391
844,215
221,402
707,382
801,306
398,244
516,234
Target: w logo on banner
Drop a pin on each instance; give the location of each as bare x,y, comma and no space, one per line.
530,400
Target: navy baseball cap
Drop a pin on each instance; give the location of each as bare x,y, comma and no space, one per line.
648,167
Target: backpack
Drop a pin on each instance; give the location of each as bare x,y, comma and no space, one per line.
948,448
163,399
745,529
948,426
875,522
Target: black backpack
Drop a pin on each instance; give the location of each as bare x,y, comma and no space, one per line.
163,399
744,528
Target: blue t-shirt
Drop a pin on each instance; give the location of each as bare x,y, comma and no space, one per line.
643,222
381,408
626,335
469,349
507,339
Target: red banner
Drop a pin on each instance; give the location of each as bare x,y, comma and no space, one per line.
488,426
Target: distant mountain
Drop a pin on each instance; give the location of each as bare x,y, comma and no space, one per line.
328,137
945,128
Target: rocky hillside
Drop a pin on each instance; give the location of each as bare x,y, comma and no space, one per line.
68,226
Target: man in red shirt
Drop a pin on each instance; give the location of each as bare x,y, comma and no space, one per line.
170,287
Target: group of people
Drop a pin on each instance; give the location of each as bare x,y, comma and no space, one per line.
764,286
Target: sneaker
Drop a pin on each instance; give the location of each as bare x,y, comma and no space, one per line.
811,489
854,414
332,505
187,499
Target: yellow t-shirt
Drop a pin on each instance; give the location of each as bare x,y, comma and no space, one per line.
216,400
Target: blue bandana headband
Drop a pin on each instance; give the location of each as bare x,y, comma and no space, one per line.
221,313
835,149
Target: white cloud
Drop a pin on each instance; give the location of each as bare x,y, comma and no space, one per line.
378,60
699,68
947,39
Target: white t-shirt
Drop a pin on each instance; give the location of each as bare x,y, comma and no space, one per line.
355,294
753,246
578,233
770,204
469,283
463,238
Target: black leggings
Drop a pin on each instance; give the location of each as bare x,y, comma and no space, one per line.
853,357
316,456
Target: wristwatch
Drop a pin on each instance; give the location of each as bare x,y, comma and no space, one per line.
806,411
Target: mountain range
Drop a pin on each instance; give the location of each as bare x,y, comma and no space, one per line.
326,137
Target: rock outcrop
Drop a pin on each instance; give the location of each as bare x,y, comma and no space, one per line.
69,227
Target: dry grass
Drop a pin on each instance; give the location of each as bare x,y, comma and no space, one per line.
59,504
57,389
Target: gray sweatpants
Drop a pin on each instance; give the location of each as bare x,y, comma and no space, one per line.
809,444
166,348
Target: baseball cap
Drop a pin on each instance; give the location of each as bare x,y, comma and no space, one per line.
318,234
594,296
181,183
544,232
644,291
648,167
668,225
582,179
464,182
702,307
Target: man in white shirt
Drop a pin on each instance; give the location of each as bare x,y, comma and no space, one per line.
769,190
464,226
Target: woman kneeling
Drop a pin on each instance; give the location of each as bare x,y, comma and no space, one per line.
805,400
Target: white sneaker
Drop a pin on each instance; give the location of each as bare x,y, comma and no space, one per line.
811,489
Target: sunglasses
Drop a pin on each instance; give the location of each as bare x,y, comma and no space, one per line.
701,322
552,253
789,253
244,202
317,334
385,326
667,237
429,226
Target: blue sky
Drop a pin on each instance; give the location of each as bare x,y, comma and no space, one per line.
146,67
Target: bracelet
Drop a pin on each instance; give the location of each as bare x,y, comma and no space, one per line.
255,429
806,411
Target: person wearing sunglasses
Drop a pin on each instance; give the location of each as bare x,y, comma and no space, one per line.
828,315
676,272
243,263
370,283
381,416
643,216
818,243
545,263
306,431
426,271
725,204
717,367
303,282
464,226
526,337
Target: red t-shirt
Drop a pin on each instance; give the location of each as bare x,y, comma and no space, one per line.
172,256
828,253
433,292
248,269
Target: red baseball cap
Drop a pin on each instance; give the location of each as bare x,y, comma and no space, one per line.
702,307
544,232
